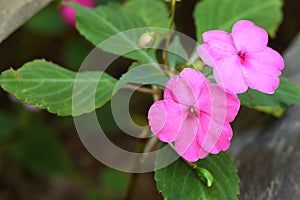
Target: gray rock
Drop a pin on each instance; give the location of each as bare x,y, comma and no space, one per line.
14,13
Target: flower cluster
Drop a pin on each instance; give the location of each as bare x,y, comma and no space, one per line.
195,114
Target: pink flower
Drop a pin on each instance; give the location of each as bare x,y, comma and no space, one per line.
242,58
194,114
69,14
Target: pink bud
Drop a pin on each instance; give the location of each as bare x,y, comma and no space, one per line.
69,13
146,39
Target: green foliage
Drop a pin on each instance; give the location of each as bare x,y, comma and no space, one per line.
153,12
101,2
50,87
41,152
113,185
102,23
179,181
47,21
75,51
221,15
144,74
106,119
115,181
178,58
7,125
95,195
286,94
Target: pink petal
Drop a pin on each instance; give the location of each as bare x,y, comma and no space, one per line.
190,152
221,105
219,40
186,145
225,104
213,136
179,89
204,103
203,153
228,74
206,55
249,37
68,13
208,132
262,70
213,133
223,142
217,45
165,119
196,80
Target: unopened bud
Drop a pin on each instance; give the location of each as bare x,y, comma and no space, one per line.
198,65
146,39
205,176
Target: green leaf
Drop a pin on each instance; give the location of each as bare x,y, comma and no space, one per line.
286,94
221,15
144,74
102,22
179,181
50,87
180,57
134,65
145,9
110,22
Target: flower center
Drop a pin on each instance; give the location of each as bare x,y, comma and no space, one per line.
242,55
193,111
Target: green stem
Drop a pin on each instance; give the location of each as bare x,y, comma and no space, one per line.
153,91
250,96
208,74
134,176
190,164
168,37
203,174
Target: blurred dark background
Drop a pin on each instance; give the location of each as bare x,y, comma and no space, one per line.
41,155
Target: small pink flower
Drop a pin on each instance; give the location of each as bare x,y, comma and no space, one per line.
242,58
69,13
194,114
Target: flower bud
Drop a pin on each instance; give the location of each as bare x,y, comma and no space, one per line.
146,39
68,14
205,176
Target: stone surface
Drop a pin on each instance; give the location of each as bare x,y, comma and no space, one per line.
267,150
14,13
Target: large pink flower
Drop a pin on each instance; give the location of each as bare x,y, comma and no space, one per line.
69,13
194,114
242,58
